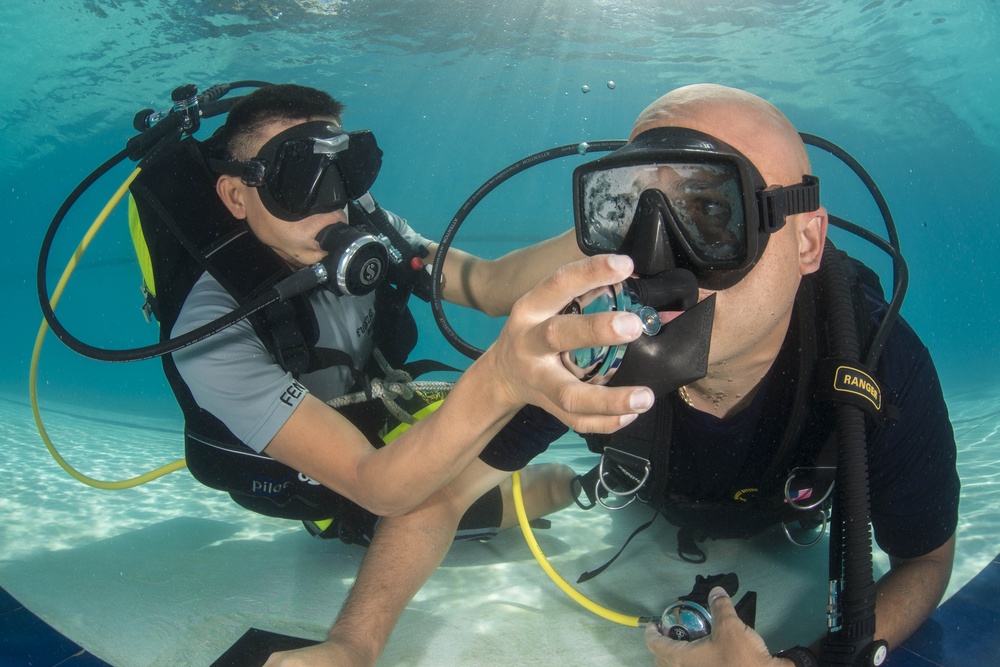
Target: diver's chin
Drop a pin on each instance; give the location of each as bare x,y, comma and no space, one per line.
667,316
671,315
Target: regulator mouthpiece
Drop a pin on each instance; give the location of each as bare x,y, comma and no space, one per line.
666,356
356,263
598,365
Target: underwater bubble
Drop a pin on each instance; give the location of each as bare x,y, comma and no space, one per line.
611,85
585,88
582,148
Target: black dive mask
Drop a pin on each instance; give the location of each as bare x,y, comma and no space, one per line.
678,197
691,212
310,168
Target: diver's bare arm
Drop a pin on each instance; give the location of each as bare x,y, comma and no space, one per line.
522,366
492,286
910,591
384,586
387,582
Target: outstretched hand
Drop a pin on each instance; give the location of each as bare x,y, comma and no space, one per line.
526,356
732,642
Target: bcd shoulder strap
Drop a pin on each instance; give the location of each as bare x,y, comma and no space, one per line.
188,231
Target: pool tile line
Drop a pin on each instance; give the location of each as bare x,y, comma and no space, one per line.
26,640
965,630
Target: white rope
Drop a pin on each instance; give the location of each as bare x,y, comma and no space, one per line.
398,384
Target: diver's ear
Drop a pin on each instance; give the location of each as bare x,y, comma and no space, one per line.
811,228
232,192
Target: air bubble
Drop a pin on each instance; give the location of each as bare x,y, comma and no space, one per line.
585,88
582,148
611,85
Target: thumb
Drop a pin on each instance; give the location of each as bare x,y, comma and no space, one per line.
721,605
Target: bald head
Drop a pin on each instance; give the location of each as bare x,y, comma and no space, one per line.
750,124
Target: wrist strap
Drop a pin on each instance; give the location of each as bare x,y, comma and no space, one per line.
800,655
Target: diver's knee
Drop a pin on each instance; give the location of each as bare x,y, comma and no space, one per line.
549,485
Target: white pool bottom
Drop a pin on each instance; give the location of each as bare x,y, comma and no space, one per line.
172,573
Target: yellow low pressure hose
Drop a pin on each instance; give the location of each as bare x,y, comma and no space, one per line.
529,537
36,353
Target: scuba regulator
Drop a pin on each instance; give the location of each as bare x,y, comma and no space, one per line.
668,355
689,618
355,263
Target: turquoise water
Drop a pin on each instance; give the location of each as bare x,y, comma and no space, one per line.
455,91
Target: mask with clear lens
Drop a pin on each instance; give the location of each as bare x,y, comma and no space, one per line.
705,201
675,197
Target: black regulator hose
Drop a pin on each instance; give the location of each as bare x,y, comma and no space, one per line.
170,127
449,233
853,592
890,247
297,283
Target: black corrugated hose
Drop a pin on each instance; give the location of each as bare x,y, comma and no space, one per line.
850,541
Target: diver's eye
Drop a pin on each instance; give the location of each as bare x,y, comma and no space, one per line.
713,210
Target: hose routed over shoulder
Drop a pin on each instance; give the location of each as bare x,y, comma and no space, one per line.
851,542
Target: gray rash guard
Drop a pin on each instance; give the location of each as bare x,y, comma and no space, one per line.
233,376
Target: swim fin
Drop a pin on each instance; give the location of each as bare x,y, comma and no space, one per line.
254,647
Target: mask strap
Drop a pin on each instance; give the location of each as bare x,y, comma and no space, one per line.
779,202
251,172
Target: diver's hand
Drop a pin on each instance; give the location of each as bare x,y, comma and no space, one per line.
525,359
732,642
326,654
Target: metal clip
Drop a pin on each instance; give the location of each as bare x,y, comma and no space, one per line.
823,525
147,304
622,470
788,489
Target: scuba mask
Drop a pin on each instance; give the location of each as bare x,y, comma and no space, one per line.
690,211
675,197
310,168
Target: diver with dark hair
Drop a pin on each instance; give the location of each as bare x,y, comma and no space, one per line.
290,191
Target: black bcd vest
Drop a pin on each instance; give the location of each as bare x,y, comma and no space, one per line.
188,231
808,445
